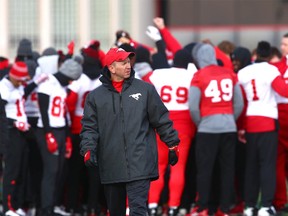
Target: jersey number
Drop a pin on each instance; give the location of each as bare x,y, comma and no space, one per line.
56,106
181,94
19,104
255,96
224,91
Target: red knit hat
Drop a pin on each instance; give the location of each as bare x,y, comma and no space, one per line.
19,71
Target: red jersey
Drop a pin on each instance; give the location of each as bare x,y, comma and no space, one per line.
216,85
283,69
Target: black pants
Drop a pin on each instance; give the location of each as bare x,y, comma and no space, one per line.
52,167
240,159
15,167
261,153
189,192
137,192
212,148
35,168
82,178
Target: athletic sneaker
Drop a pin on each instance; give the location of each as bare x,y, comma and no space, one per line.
196,211
21,212
172,212
61,211
11,213
152,211
267,211
182,212
250,211
221,213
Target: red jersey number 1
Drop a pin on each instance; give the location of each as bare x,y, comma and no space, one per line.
255,97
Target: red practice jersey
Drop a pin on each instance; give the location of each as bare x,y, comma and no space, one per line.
216,85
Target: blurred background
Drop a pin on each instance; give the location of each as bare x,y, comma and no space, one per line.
56,22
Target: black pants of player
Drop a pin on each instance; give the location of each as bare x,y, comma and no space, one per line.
137,192
15,167
52,167
240,170
82,180
209,149
34,174
76,175
261,154
189,192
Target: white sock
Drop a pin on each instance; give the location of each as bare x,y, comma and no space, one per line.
152,205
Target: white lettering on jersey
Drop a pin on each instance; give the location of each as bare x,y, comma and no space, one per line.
226,93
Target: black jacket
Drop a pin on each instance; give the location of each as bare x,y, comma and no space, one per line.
121,128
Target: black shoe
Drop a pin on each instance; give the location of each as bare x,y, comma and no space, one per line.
283,209
46,212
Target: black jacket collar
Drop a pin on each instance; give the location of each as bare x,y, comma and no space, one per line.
106,79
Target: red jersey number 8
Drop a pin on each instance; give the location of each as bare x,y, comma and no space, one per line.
56,106
218,93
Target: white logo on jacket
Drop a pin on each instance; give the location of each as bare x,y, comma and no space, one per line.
135,96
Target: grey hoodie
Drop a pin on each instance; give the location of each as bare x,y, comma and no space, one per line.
204,55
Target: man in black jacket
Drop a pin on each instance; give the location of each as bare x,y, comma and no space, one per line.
119,124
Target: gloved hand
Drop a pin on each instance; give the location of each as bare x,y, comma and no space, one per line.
52,144
153,33
173,155
70,47
90,158
69,148
22,126
40,78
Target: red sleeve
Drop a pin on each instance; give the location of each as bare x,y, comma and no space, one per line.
234,77
171,42
280,86
136,44
241,120
71,101
146,78
281,65
224,58
196,80
102,57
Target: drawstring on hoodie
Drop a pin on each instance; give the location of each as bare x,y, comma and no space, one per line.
114,111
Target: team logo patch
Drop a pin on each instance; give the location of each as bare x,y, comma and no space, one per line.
136,96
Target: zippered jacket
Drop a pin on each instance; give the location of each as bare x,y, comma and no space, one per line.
121,128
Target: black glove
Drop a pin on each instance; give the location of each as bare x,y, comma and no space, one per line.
173,155
90,159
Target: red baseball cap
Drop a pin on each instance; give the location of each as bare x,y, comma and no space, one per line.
117,54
